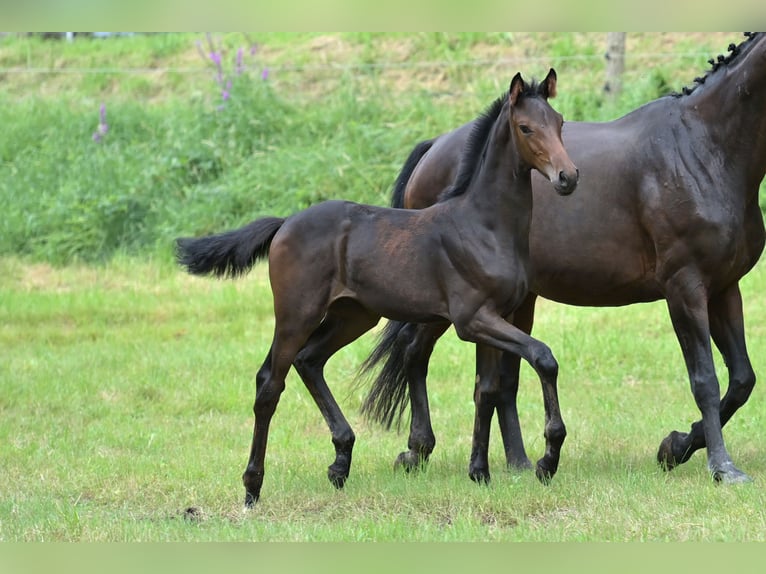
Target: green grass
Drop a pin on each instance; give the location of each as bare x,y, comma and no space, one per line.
126,399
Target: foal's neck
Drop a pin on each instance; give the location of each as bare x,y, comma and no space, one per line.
502,187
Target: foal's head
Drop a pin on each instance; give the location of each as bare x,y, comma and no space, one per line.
536,129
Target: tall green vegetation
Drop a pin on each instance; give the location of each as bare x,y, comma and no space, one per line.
202,132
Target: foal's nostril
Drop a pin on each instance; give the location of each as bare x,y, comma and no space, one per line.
566,181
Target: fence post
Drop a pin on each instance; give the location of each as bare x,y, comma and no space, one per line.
615,62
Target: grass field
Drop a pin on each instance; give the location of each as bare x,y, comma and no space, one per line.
126,386
127,394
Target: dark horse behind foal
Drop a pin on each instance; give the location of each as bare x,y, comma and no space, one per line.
337,267
667,209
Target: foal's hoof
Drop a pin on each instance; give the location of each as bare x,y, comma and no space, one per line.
671,452
409,461
337,478
251,499
730,474
479,475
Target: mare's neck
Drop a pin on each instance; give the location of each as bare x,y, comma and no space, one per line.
732,104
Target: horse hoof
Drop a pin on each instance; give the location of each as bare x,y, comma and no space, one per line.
251,499
668,457
337,479
543,474
479,475
520,465
730,475
408,462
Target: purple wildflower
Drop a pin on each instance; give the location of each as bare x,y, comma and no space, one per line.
226,92
103,127
216,58
240,67
265,74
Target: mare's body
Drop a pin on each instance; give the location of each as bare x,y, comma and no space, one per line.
667,208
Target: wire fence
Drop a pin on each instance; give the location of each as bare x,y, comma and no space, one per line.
359,67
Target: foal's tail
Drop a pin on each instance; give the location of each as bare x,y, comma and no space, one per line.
389,393
397,198
228,254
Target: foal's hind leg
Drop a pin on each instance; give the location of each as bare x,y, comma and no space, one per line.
294,324
345,322
417,354
270,382
728,332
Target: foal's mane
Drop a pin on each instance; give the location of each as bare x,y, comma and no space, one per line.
721,61
476,144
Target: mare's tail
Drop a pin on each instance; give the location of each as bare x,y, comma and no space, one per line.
228,254
389,393
397,198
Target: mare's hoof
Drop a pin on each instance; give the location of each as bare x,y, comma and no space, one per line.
672,451
544,474
408,461
730,474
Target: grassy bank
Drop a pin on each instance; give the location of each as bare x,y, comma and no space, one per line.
305,117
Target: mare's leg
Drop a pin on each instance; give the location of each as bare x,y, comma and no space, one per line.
497,386
689,314
507,412
488,328
417,354
345,322
728,332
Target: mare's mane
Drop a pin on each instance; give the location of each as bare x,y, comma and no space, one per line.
721,61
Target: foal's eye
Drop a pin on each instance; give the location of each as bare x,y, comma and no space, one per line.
525,129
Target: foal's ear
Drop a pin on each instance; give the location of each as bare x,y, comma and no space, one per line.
548,85
517,84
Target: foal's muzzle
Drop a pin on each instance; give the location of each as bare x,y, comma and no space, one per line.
567,182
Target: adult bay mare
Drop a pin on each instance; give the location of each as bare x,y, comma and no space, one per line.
337,267
667,209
